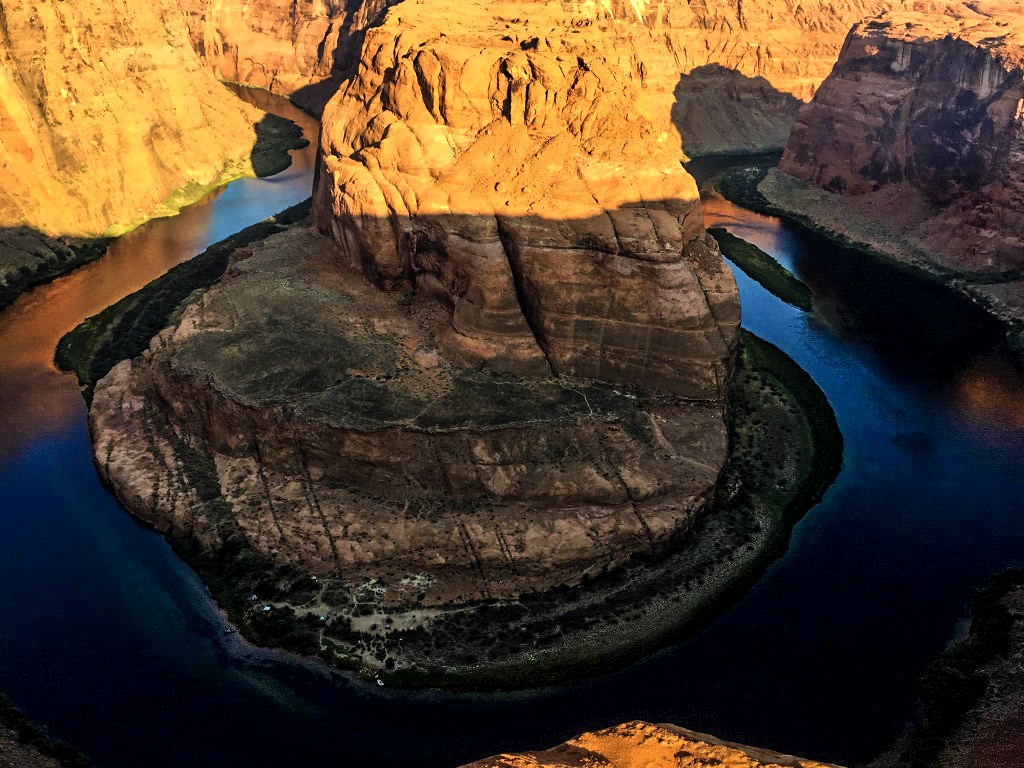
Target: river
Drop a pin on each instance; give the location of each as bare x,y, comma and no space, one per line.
113,644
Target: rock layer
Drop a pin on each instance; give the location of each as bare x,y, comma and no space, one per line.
636,744
347,443
105,111
922,125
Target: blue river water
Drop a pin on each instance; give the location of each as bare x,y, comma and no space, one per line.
113,644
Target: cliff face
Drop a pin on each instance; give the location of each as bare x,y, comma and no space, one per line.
924,114
746,67
283,46
641,744
526,178
105,111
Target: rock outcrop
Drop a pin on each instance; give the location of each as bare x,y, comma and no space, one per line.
636,744
503,371
526,179
107,116
921,126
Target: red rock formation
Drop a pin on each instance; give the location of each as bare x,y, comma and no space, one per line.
925,114
530,181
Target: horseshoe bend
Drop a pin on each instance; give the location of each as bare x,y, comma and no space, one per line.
481,414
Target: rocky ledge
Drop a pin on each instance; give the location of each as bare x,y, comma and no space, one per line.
644,744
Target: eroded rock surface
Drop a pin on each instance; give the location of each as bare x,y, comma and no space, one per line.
346,442
921,126
636,744
105,111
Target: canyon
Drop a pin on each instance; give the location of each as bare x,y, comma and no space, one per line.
467,390
914,146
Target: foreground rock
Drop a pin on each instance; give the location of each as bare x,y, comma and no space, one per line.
108,117
914,146
641,744
23,744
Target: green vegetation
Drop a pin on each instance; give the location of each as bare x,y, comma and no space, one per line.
275,135
123,330
14,722
763,269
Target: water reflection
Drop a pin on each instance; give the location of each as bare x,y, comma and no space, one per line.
36,400
918,330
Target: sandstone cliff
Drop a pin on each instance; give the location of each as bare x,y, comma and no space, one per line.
745,67
636,745
298,49
921,126
107,116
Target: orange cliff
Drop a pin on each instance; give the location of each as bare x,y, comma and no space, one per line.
643,745
105,113
738,71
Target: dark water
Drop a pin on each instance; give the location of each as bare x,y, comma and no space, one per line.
109,640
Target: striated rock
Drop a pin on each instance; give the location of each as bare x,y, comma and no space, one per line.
527,180
285,47
347,443
642,745
107,116
921,125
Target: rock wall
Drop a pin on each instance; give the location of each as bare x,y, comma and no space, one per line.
925,114
636,744
531,181
283,46
746,67
105,111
